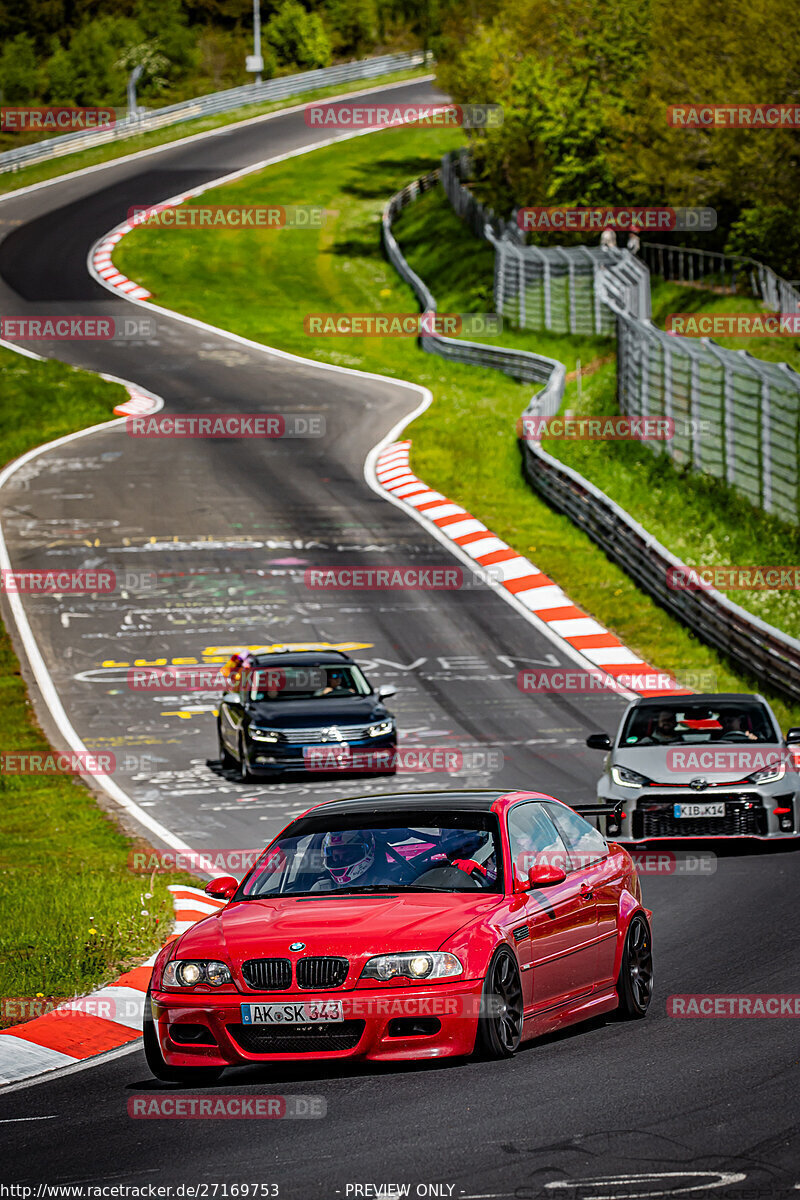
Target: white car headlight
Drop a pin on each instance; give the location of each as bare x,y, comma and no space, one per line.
413,965
381,729
625,777
185,973
772,773
263,735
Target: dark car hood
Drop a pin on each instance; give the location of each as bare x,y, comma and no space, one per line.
354,927
288,714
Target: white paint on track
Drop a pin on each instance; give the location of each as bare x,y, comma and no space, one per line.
33,653
39,667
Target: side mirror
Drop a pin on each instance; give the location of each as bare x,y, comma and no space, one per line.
541,875
598,741
793,736
222,888
388,690
232,698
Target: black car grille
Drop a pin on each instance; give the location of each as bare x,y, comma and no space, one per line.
268,974
320,735
744,815
303,1039
321,972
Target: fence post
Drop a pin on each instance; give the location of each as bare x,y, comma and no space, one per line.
598,305
694,408
766,446
499,277
644,381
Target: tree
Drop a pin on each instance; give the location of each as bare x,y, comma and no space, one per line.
18,70
298,37
353,23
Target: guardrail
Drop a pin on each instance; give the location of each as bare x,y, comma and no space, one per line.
759,649
737,417
712,268
519,364
215,102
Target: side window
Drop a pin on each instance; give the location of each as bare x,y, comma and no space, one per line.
533,838
584,842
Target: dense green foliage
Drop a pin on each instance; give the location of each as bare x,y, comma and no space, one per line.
585,85
59,52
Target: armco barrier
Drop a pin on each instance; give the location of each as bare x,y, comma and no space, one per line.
748,409
759,649
519,364
204,106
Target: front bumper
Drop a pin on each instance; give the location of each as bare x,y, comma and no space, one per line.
269,758
750,812
448,1012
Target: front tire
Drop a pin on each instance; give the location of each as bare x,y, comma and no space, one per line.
245,773
226,759
155,1059
500,1020
635,981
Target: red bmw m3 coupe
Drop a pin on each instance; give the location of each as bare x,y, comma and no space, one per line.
409,926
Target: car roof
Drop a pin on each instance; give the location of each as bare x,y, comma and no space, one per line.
302,658
696,698
479,800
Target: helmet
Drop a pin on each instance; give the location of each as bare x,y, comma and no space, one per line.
348,854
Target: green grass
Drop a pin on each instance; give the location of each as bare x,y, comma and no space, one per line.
70,910
286,274
669,297
11,180
698,517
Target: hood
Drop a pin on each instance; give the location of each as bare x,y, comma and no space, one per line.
353,927
725,762
290,714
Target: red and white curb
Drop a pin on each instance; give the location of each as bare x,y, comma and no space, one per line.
138,404
90,1025
101,261
531,587
101,255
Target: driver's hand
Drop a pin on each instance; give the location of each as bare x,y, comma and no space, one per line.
468,865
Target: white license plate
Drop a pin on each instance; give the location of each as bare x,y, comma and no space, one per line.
327,756
303,1013
700,810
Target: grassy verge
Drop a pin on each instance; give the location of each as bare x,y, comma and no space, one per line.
72,916
285,274
697,517
669,297
11,180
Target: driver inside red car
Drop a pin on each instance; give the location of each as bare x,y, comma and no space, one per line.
349,857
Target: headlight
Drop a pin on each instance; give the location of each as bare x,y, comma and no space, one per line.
416,965
381,729
625,777
769,774
263,735
184,972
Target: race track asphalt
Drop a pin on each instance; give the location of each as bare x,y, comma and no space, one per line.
227,527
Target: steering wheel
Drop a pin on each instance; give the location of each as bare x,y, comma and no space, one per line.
734,735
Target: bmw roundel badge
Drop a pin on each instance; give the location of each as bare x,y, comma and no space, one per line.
297,946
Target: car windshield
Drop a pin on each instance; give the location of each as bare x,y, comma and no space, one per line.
696,724
445,852
313,682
